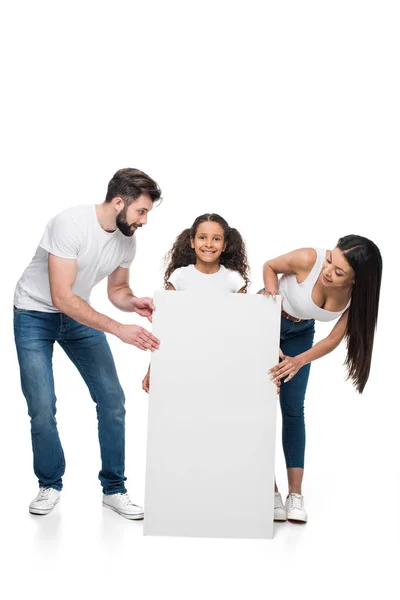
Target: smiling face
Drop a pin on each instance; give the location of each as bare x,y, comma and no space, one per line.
336,271
129,218
209,242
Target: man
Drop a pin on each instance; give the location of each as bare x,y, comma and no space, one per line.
80,247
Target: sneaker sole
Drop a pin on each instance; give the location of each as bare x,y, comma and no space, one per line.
125,515
280,520
297,520
43,511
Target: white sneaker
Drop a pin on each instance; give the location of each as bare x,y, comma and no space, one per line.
295,508
279,508
45,501
122,504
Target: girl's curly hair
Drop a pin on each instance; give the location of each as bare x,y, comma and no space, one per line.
234,256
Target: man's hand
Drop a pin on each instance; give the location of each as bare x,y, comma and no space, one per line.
143,307
138,336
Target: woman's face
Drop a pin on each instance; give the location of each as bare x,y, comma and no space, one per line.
336,271
209,243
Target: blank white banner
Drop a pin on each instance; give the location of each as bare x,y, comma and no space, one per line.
212,416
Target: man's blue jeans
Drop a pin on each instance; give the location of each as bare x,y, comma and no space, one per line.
35,334
295,339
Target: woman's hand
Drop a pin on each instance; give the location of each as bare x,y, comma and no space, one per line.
273,292
287,368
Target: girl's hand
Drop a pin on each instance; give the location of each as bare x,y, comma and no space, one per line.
146,382
287,368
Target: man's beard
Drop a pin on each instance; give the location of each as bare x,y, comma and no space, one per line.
124,226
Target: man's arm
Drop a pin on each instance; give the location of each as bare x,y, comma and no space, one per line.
121,295
119,291
62,276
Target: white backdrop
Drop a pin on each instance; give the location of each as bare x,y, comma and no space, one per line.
283,118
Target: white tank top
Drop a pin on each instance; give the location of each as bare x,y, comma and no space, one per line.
298,300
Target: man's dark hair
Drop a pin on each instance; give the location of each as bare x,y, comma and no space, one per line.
129,184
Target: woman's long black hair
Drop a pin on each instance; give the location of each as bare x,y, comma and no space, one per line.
365,259
234,256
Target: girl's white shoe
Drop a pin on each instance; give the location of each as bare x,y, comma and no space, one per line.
279,508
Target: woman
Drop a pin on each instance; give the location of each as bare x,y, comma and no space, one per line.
320,285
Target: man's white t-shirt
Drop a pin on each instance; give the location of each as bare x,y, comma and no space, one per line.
75,234
190,278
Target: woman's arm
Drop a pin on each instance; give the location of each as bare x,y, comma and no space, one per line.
299,262
290,365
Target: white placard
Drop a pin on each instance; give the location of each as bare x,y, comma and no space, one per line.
212,414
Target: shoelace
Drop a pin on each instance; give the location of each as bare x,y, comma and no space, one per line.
126,501
44,493
296,501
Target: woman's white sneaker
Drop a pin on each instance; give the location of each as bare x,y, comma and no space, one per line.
121,503
45,501
295,508
279,508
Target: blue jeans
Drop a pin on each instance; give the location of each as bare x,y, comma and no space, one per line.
295,339
35,333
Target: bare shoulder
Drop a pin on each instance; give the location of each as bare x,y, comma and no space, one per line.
307,257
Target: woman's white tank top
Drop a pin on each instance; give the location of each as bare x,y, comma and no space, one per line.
298,300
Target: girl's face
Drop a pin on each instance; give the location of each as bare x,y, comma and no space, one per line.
208,243
336,271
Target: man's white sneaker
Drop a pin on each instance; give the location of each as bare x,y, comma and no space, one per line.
279,508
295,508
122,504
45,501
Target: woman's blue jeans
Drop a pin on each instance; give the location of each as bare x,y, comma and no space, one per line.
295,339
35,334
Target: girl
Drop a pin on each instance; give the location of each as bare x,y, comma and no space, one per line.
209,256
320,285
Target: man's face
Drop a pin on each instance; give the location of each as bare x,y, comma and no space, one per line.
135,215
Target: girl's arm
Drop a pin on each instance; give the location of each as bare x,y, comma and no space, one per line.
146,379
299,262
290,365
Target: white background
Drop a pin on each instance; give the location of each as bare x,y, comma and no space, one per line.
284,118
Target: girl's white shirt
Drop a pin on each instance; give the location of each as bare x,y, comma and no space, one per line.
191,279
